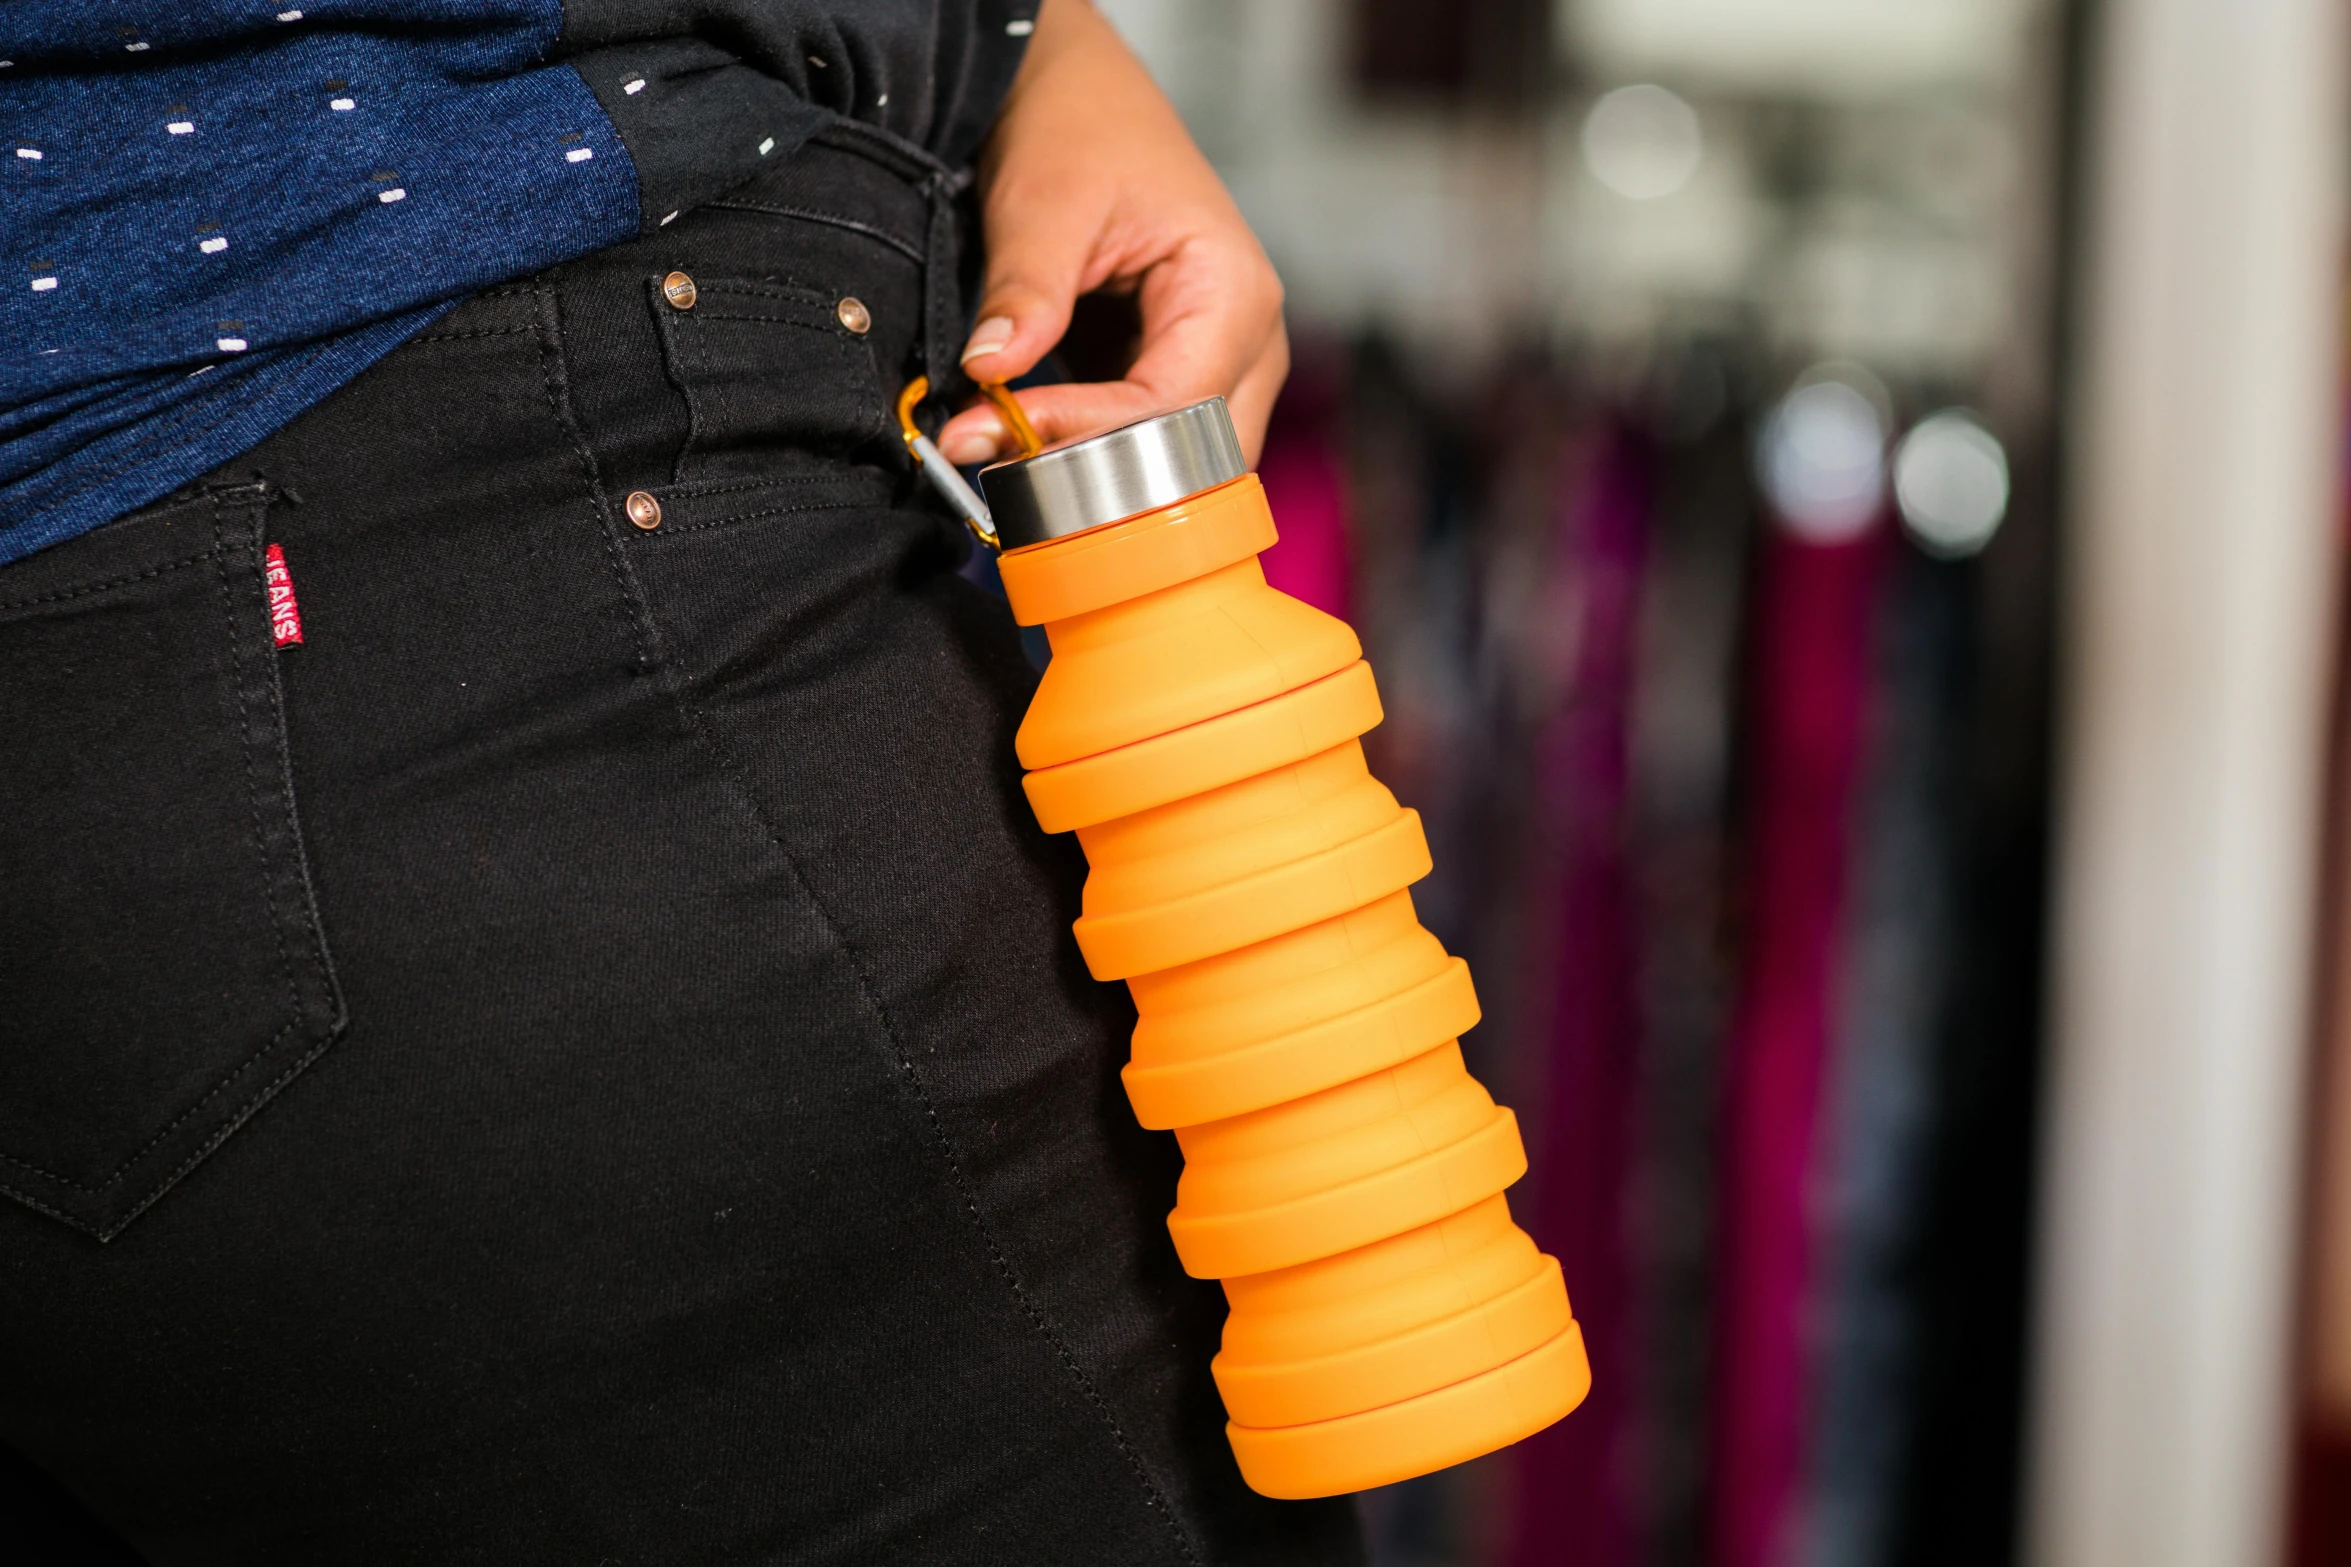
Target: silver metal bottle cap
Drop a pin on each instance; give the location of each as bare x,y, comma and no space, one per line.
1078,485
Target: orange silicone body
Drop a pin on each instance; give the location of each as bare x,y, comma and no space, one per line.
1343,1172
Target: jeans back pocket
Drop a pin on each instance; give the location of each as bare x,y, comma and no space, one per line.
770,368
162,969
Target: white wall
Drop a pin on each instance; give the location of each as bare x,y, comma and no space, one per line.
2203,527
1463,233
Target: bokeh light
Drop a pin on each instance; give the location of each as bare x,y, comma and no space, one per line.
1951,481
1642,142
1822,454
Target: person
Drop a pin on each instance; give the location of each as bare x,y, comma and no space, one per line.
535,1022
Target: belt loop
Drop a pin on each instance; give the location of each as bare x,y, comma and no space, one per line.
943,311
943,323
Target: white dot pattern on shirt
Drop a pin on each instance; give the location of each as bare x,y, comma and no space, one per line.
1020,29
217,244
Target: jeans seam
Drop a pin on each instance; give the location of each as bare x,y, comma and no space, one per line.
277,925
486,331
730,769
555,383
698,725
911,251
298,846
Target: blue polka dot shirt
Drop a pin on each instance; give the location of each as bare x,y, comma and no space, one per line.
215,212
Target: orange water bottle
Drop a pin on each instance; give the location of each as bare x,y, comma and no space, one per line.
1298,1028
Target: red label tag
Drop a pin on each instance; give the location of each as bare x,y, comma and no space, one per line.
285,617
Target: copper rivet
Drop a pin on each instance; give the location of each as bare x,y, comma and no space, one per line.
642,508
678,289
854,315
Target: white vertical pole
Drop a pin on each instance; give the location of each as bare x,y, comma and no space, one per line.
2198,596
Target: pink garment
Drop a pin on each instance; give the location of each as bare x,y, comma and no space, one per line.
1304,473
1306,486
1807,692
1571,1506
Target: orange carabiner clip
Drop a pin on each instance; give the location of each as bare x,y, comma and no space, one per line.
1015,417
942,473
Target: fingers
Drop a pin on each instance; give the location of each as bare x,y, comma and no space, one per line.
976,435
1039,242
1251,401
1211,325
1060,413
1091,180
1065,412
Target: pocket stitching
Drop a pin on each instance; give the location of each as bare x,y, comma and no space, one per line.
487,331
695,489
804,325
210,1145
123,1170
815,296
218,553
116,582
231,1126
672,326
729,520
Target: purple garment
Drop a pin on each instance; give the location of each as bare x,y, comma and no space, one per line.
1572,1510
1807,695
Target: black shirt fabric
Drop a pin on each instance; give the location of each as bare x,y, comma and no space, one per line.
931,72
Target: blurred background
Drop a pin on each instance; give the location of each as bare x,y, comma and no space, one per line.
1843,497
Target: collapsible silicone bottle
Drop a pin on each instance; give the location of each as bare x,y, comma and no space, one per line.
1298,1028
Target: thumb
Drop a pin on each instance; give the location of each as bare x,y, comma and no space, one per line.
1034,268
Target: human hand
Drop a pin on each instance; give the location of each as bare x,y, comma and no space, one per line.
1090,182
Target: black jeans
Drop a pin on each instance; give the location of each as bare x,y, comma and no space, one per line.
581,1059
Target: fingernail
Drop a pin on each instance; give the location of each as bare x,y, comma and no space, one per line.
989,336
976,444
